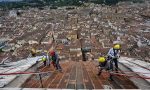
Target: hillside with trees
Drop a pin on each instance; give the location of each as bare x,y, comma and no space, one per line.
58,3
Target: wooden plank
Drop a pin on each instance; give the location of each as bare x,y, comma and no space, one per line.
93,76
86,79
79,81
57,79
72,79
64,80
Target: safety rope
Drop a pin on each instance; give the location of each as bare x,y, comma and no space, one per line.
140,74
128,72
132,76
16,73
119,73
113,73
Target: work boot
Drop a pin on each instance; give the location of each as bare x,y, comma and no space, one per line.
107,69
116,70
110,79
98,74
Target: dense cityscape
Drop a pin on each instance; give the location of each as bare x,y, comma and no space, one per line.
83,32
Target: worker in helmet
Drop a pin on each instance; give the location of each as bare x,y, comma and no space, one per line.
44,59
55,60
102,64
33,52
52,59
113,56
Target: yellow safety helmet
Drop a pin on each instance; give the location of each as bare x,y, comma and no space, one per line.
33,50
117,46
45,51
43,59
102,59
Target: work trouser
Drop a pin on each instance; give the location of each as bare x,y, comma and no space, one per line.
53,63
44,62
116,64
115,61
58,65
110,69
111,61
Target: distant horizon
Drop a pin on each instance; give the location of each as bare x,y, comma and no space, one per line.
9,0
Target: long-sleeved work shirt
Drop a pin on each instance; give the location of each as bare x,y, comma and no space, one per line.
113,53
